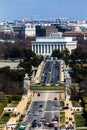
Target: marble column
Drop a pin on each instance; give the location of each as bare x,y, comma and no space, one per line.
44,49
53,47
35,48
41,48
50,48
47,49
57,47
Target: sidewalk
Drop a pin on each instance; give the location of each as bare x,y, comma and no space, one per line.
69,117
39,72
19,110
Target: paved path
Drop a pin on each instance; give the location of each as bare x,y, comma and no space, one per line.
39,72
69,117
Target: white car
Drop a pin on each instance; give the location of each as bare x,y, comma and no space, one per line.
41,109
28,113
36,113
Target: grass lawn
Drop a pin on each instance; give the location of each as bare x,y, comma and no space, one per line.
2,105
76,104
85,100
62,103
79,119
13,104
81,129
47,88
62,119
5,117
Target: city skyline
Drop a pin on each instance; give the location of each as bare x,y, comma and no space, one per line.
42,9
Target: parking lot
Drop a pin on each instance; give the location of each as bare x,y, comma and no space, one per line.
43,111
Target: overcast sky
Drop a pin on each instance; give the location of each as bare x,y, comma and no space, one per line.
43,9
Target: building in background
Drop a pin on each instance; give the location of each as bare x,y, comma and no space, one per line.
80,36
46,45
45,30
30,30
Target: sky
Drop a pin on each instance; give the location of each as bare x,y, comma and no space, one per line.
43,9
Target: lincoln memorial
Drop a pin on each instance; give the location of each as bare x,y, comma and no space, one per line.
46,45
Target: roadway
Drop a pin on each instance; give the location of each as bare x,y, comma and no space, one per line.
46,108
47,105
51,73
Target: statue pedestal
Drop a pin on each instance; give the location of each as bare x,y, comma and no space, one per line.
26,83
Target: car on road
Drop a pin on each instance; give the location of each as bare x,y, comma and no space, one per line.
40,105
34,123
55,122
41,109
56,128
42,119
49,99
35,103
51,125
38,94
55,118
46,123
55,98
28,113
36,113
22,127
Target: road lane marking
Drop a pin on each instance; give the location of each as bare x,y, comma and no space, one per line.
47,94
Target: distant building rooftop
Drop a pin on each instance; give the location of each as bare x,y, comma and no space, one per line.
75,32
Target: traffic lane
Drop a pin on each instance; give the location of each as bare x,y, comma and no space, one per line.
53,68
55,74
48,101
50,115
51,96
48,118
32,117
46,73
53,102
35,106
43,97
36,103
52,105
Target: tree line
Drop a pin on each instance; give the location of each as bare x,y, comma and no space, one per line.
77,60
